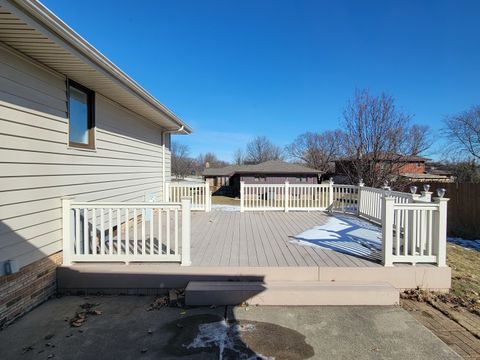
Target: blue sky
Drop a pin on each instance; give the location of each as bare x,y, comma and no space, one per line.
236,69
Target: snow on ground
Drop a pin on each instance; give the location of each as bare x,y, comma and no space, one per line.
469,244
218,207
346,234
224,336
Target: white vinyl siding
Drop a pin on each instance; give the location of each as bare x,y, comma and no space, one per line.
37,167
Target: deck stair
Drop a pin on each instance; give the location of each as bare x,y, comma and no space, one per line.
290,293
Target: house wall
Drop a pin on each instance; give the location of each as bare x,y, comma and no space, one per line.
37,167
413,168
234,188
406,168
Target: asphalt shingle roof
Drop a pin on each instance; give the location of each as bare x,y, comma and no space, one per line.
268,167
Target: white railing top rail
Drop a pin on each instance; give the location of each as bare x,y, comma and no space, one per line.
342,186
188,184
371,189
416,206
124,205
264,185
311,185
400,194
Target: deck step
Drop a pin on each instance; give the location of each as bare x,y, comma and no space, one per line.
290,293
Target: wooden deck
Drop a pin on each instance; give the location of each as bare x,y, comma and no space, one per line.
262,239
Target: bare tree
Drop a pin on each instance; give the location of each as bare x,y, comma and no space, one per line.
316,150
377,138
182,164
260,149
209,159
419,139
238,157
463,132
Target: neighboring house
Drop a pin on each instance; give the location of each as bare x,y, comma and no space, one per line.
71,124
428,177
226,180
403,164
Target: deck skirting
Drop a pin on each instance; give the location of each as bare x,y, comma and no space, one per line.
156,278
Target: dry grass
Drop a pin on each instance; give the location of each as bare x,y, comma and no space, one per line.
225,200
465,291
465,266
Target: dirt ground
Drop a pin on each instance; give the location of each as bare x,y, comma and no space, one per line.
454,317
225,200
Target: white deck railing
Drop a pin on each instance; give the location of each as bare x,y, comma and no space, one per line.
414,232
283,197
344,198
126,232
199,193
413,228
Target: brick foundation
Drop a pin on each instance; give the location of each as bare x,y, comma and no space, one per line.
32,285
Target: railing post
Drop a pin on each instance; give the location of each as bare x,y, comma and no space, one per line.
208,198
287,195
242,196
186,231
387,230
330,195
67,229
426,196
440,231
360,185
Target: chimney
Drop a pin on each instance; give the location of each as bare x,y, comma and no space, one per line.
207,165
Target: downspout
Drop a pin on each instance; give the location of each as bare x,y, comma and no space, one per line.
164,139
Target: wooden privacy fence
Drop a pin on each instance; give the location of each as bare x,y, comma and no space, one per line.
198,192
126,232
463,208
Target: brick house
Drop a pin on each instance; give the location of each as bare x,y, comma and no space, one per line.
226,180
405,165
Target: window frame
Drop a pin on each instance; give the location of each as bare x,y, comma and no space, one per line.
90,115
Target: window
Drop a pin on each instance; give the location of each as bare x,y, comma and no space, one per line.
81,116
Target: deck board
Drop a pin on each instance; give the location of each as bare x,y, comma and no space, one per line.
262,239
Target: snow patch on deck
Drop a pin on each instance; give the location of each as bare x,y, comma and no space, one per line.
217,207
345,234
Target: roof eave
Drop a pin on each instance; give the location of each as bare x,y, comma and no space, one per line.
46,18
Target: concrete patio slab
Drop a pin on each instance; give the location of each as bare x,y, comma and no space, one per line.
353,332
126,330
